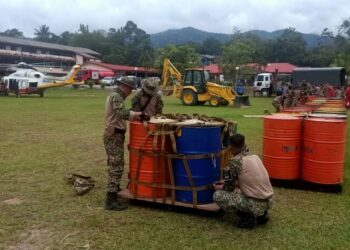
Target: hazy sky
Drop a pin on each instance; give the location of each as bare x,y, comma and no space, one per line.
308,16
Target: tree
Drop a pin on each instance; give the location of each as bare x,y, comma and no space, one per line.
322,55
136,42
342,41
288,47
43,33
234,55
147,59
96,40
117,52
66,38
241,50
342,60
344,28
210,46
182,56
129,45
12,33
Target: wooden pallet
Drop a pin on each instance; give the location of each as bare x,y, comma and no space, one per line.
211,207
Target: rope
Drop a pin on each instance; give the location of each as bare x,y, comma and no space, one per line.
163,156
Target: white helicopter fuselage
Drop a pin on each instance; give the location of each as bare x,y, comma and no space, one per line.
30,81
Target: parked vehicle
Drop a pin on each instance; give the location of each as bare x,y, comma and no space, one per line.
107,81
195,89
317,76
262,83
267,83
30,81
90,77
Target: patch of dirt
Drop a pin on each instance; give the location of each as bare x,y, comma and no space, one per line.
13,201
33,239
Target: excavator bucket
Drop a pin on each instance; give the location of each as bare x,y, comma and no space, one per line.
241,100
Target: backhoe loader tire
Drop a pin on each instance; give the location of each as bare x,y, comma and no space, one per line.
189,97
214,101
224,103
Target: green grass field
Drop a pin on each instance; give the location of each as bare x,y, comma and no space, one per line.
43,139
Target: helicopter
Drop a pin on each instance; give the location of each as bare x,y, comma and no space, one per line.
27,80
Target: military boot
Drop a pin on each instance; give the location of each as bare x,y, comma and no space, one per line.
113,203
245,220
263,219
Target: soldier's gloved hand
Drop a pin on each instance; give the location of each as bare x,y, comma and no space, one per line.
218,185
136,115
145,117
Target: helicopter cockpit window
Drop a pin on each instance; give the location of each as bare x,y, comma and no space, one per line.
36,75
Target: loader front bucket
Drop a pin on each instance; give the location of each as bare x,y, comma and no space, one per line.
241,100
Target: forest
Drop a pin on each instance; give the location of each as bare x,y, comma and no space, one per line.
130,45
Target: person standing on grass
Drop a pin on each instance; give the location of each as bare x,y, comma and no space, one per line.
249,192
3,90
147,99
114,137
278,102
347,96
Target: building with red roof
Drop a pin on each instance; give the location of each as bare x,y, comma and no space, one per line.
213,69
279,68
121,69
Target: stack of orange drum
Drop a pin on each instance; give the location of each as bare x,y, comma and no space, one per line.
311,148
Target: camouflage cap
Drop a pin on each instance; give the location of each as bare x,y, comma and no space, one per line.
127,81
82,184
150,85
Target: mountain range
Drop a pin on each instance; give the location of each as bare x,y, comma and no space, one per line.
190,34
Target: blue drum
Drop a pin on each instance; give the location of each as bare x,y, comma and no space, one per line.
196,141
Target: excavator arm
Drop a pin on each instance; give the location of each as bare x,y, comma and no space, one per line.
171,72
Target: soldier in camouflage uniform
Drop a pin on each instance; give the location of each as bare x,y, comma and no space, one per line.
289,97
147,99
114,136
278,103
249,193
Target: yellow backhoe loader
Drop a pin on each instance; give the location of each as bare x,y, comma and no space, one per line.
195,89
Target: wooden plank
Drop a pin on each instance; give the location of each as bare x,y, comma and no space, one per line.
254,116
212,207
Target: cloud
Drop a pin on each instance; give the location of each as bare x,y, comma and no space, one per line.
155,15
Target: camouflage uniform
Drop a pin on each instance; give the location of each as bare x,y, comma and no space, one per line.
297,98
147,99
289,98
305,92
278,103
236,201
114,138
154,106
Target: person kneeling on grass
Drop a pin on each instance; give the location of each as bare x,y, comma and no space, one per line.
246,189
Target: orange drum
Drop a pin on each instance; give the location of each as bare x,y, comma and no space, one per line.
282,146
152,167
298,110
323,150
310,98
